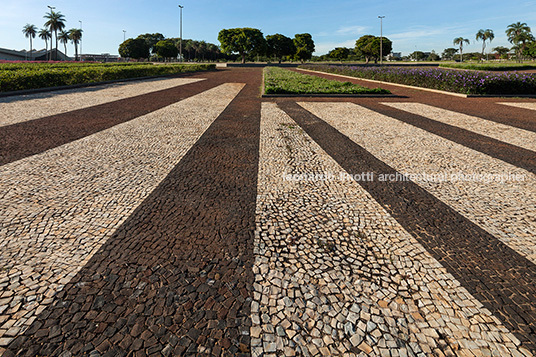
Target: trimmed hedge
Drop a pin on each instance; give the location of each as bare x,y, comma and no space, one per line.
43,77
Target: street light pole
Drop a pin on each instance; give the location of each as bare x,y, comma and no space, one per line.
180,43
381,38
124,35
80,40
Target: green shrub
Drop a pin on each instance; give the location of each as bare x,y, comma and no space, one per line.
43,76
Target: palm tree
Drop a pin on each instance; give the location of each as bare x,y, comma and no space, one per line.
75,35
55,22
485,35
64,38
518,35
460,41
44,35
30,31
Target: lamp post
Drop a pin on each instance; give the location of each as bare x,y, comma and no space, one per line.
124,35
381,38
80,40
180,43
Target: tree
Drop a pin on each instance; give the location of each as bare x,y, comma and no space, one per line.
45,35
339,53
530,50
518,35
152,39
305,46
502,51
449,53
433,56
243,41
75,35
417,56
134,48
166,49
368,47
280,46
30,31
55,22
485,35
460,41
64,38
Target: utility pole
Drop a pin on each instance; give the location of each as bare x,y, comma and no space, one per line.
381,38
50,55
180,43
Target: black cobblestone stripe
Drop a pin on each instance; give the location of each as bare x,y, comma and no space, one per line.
32,137
176,277
515,155
499,277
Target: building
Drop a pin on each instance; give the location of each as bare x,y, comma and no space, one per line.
36,55
103,57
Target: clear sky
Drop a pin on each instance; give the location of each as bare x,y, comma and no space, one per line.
411,24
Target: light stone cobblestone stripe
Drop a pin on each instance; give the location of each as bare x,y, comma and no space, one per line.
58,208
22,108
506,133
335,274
531,106
448,170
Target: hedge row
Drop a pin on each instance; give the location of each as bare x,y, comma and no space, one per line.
55,77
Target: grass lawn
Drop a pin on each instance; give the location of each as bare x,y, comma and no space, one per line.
283,81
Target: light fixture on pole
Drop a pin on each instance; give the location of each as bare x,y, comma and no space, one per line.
50,54
180,43
80,39
381,38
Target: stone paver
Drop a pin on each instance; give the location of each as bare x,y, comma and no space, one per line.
531,106
190,219
505,133
59,207
336,274
497,196
34,106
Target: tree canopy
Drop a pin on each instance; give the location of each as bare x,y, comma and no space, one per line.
339,53
305,46
166,49
134,48
280,46
368,46
243,41
151,39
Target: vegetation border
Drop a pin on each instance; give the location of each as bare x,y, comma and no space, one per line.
429,89
325,95
94,84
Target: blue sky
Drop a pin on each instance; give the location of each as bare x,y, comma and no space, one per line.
410,24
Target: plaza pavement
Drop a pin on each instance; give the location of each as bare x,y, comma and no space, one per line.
188,216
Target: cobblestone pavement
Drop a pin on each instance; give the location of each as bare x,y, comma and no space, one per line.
17,109
506,133
531,106
336,274
497,196
189,217
49,232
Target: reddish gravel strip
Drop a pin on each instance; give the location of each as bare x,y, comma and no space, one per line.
512,154
485,108
176,276
496,275
32,137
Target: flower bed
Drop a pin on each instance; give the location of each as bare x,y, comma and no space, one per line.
283,81
43,76
490,66
465,82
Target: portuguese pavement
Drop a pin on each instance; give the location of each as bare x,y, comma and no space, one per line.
191,216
